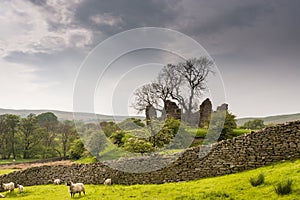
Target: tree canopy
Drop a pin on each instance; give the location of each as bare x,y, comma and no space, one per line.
254,124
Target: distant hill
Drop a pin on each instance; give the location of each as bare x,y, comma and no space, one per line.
89,117
277,119
64,115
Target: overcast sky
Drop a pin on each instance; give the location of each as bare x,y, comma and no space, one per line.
255,44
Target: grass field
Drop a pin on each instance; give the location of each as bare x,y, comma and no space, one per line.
6,171
234,186
7,161
201,132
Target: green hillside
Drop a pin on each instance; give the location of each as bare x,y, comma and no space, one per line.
89,117
64,115
277,119
234,186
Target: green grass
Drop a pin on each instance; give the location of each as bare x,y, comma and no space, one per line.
6,171
258,180
86,160
237,132
201,132
272,119
112,153
198,132
7,161
234,186
284,187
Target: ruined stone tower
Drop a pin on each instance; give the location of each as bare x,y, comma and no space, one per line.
205,113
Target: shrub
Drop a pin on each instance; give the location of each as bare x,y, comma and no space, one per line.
255,181
76,150
96,142
109,128
117,137
138,146
284,187
131,124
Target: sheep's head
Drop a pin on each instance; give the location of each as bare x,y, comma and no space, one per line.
68,183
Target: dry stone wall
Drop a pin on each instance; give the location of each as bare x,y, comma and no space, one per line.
249,151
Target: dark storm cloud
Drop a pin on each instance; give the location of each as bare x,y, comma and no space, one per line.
272,27
39,2
238,17
254,42
133,13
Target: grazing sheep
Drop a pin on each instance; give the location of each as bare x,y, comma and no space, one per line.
57,181
75,188
21,188
2,196
107,181
8,186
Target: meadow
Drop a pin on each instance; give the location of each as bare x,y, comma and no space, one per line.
233,186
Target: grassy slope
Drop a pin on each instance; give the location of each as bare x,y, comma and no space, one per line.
234,186
6,171
201,132
8,161
272,119
88,117
65,115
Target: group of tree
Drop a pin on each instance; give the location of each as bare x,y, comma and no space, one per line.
35,136
142,140
254,124
169,134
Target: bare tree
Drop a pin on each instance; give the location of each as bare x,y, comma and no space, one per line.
192,75
183,82
146,99
145,96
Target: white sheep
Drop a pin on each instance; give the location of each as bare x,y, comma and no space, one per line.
107,181
8,186
75,188
57,181
21,188
2,196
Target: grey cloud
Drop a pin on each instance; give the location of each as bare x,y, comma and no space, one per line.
58,66
134,13
241,16
39,2
215,17
253,42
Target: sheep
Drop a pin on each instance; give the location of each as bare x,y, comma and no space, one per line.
57,181
2,196
75,188
21,188
8,186
107,181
